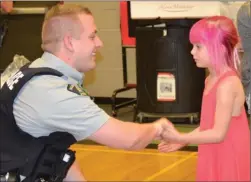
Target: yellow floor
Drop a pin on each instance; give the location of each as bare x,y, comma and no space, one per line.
100,163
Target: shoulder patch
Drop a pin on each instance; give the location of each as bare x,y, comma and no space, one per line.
77,89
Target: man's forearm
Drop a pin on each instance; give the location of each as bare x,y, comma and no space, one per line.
127,135
142,135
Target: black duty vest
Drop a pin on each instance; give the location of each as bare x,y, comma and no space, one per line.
46,157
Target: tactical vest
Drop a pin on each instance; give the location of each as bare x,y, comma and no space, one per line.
44,158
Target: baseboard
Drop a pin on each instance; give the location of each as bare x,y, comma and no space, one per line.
108,100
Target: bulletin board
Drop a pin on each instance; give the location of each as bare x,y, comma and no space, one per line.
124,22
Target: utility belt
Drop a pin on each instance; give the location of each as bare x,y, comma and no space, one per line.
48,169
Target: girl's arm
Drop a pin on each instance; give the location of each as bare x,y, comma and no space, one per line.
224,106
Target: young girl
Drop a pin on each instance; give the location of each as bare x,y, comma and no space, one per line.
223,135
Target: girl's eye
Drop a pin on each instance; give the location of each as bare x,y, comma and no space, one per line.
197,46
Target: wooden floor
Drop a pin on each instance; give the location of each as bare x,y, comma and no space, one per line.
100,163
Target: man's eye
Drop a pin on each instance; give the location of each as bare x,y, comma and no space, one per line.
92,37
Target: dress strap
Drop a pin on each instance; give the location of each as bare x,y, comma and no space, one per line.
227,74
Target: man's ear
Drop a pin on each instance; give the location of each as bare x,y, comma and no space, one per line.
68,42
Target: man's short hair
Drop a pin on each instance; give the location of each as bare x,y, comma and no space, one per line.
60,20
66,10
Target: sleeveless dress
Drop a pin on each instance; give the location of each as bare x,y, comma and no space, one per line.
230,159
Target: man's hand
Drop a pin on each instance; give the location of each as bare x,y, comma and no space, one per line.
170,138
170,134
161,125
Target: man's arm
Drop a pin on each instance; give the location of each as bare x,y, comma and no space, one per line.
127,135
80,116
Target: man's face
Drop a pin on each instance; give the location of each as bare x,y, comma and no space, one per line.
86,46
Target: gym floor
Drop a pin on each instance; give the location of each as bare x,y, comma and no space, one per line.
100,163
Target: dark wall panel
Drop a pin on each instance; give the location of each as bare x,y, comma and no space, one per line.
23,37
23,34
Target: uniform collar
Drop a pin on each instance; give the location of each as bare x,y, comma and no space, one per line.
56,63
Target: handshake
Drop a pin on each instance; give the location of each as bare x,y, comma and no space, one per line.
169,136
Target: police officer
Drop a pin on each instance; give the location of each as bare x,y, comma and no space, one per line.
50,103
244,28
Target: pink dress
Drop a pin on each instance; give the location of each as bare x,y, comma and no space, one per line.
230,159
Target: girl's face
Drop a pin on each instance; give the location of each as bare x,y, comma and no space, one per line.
200,56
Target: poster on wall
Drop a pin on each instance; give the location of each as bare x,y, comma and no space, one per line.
166,87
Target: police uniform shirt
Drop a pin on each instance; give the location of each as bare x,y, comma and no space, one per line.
50,103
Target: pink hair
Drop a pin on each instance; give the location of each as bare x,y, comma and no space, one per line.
220,37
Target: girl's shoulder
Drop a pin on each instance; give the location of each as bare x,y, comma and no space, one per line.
229,82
